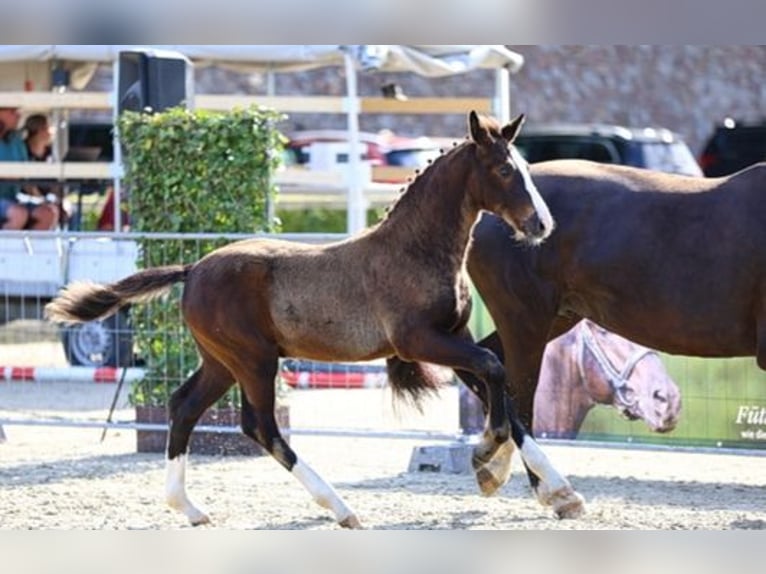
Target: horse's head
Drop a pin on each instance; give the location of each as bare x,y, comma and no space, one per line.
504,185
630,377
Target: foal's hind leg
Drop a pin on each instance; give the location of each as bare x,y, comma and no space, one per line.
187,404
259,423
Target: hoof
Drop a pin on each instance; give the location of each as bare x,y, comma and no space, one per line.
199,520
572,508
492,473
566,502
351,522
481,456
488,483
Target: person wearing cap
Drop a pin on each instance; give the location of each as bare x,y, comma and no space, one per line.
14,213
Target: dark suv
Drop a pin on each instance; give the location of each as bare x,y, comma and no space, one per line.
732,147
651,148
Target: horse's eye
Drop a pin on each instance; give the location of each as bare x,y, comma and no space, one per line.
506,170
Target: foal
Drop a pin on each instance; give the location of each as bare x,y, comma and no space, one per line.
397,290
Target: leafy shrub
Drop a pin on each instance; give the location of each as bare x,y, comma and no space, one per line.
191,172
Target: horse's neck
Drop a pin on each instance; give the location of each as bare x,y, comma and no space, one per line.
435,215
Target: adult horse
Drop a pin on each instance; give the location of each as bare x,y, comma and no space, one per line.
675,263
398,289
588,366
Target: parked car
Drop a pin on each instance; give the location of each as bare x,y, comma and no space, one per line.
733,146
650,148
321,149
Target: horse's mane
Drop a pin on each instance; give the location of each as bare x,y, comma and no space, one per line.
421,177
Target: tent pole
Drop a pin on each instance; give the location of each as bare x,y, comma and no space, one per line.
503,95
356,212
117,157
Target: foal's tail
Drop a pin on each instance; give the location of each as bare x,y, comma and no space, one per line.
414,381
84,301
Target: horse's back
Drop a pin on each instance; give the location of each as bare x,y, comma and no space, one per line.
306,298
634,252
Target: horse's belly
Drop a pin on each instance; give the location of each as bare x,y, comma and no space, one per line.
322,336
699,333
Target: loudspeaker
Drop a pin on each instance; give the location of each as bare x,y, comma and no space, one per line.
154,80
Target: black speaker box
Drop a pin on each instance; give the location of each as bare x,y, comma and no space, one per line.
152,81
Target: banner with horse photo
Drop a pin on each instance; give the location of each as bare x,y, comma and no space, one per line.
598,386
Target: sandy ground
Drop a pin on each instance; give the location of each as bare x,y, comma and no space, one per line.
53,477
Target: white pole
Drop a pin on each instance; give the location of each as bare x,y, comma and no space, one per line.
356,217
503,95
117,158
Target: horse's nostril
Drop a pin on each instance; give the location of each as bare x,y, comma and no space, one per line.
534,226
659,397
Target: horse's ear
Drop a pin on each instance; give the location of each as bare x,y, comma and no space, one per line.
511,130
479,132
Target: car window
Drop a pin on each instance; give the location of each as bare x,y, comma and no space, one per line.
673,157
748,142
536,149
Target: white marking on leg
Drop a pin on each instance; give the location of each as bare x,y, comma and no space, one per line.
175,491
324,494
540,465
537,200
554,489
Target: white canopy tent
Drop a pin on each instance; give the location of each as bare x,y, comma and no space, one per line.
22,66
426,60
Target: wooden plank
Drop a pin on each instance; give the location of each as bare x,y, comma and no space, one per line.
390,173
302,177
425,105
65,170
298,187
57,100
293,104
103,101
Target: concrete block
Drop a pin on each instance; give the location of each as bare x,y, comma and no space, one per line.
453,458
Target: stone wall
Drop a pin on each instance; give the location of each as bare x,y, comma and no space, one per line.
685,88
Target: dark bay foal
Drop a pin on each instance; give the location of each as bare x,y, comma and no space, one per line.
398,290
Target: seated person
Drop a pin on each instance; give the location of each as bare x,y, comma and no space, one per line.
38,138
34,212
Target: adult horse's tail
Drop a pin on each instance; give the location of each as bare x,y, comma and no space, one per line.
84,301
414,380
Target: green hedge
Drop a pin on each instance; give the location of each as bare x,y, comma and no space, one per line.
190,172
320,220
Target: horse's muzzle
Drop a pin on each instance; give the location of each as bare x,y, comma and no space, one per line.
534,229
